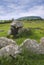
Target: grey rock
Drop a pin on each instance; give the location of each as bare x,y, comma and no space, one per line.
14,28
41,45
31,45
11,49
5,41
17,24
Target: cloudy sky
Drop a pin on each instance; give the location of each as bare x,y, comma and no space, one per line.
19,8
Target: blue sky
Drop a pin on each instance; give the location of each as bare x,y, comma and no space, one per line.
19,8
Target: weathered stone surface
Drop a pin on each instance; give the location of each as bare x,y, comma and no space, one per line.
5,41
8,47
31,45
42,41
11,49
17,24
15,27
41,45
34,46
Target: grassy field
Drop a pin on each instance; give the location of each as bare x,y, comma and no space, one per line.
25,58
4,28
36,26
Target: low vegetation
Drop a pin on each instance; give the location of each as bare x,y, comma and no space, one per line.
36,31
25,58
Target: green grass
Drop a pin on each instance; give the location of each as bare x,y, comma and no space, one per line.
5,28
38,33
25,58
34,24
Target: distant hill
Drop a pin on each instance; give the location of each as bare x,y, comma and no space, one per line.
30,18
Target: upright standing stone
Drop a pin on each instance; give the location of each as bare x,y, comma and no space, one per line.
15,26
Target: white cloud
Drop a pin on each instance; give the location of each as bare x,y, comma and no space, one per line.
35,11
18,9
1,10
9,0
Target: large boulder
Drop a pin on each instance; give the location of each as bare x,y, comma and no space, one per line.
10,50
15,26
8,47
31,45
42,41
41,45
5,41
